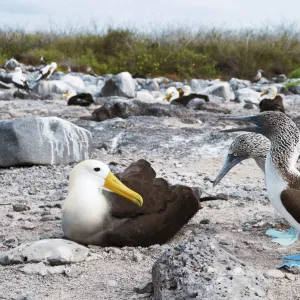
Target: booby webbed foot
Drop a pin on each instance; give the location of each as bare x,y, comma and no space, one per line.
283,238
292,261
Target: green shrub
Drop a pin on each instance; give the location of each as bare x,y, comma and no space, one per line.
295,73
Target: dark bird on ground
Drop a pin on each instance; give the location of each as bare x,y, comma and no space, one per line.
273,102
183,96
155,213
80,99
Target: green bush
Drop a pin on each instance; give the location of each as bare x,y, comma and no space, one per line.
295,73
181,52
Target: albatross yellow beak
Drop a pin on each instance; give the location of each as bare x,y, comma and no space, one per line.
264,93
113,184
66,95
181,92
168,97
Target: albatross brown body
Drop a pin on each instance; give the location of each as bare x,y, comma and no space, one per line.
275,104
165,210
184,100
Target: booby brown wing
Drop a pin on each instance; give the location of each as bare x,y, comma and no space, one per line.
165,210
272,105
184,100
290,199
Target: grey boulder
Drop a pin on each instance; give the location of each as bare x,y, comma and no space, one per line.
45,87
220,91
50,251
42,141
203,269
121,84
237,84
247,95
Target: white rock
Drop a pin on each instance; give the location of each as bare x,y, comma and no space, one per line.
50,251
247,95
76,83
121,84
45,87
221,90
43,141
274,274
144,96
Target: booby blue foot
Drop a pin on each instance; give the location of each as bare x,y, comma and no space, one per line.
283,238
293,261
276,233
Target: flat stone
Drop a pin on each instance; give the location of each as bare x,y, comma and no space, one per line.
145,288
274,274
49,251
42,141
42,269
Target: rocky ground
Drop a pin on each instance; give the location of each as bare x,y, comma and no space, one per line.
183,151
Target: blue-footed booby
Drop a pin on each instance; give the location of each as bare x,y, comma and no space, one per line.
258,75
46,71
272,101
183,96
90,215
256,146
281,176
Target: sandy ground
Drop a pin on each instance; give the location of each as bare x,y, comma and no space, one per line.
111,273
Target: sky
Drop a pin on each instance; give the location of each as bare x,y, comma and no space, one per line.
146,14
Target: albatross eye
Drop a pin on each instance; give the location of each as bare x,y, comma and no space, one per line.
97,169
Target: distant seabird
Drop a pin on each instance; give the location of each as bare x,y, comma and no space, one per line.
272,101
19,80
256,146
80,99
258,75
11,64
174,97
42,61
46,72
281,176
92,216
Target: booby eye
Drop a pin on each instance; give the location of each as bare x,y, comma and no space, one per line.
235,154
97,169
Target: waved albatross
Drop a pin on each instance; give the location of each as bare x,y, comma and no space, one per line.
281,176
256,146
183,96
92,216
272,102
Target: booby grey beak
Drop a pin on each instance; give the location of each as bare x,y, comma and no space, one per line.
229,163
251,119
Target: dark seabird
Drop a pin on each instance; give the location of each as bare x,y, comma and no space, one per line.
90,216
256,146
281,176
258,75
19,80
46,72
273,102
175,98
80,99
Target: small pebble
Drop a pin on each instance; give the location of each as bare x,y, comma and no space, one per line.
112,283
274,274
28,226
290,276
20,207
47,218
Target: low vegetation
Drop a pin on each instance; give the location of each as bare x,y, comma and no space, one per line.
178,53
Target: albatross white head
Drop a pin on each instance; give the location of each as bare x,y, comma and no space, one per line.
270,93
185,90
171,94
86,209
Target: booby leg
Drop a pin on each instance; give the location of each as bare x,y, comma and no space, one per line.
283,238
292,261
